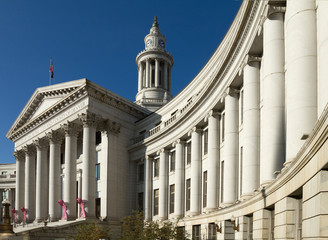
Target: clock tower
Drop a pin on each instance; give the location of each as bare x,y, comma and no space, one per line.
154,68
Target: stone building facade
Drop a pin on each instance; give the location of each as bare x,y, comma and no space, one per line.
240,153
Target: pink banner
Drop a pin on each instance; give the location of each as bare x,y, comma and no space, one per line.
80,202
24,214
62,204
15,214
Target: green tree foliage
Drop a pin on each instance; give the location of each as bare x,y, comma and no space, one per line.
91,231
135,228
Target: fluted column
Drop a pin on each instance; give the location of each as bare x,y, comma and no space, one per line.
89,163
251,127
42,182
156,72
322,51
179,178
163,183
213,159
165,86
20,177
301,73
55,140
231,145
69,188
140,76
147,73
196,171
29,182
148,188
273,110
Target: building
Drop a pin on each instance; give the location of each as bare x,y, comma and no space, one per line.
7,185
240,153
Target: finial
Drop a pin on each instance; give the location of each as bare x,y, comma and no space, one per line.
155,24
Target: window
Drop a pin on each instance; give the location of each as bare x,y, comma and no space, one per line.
205,141
196,232
212,231
172,165
223,127
152,76
98,171
156,193
188,194
62,159
4,173
4,195
141,172
222,180
98,207
188,152
172,198
98,138
156,167
140,201
205,189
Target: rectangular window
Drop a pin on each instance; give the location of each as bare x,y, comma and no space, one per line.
205,142
4,173
205,189
98,138
140,201
156,193
212,231
141,171
62,159
223,127
153,76
172,189
172,165
196,232
156,167
222,180
188,152
188,186
250,228
98,171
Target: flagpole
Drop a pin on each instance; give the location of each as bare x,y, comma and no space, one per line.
50,72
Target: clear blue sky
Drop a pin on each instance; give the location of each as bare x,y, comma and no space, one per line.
99,40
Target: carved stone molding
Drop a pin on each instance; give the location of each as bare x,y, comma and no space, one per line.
194,129
29,150
19,155
178,141
41,144
70,129
212,113
161,151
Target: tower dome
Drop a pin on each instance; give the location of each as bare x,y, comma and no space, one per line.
154,68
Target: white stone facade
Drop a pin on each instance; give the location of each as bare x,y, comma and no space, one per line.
240,153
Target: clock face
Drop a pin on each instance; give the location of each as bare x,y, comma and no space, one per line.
149,42
161,43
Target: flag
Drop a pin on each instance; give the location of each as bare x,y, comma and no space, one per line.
51,69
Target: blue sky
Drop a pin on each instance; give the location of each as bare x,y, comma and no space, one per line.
99,40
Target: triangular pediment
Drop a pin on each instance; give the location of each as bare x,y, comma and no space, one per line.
43,99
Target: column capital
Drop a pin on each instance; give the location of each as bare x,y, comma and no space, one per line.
212,113
107,126
231,91
54,137
41,144
29,149
89,119
252,58
163,150
271,9
178,141
70,129
194,129
149,158
19,155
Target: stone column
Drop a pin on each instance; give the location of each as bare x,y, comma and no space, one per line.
89,163
301,73
213,159
20,178
251,127
147,73
322,51
273,110
156,72
163,183
196,171
140,76
165,86
55,140
10,199
148,188
41,201
263,224
69,188
29,182
179,178
231,145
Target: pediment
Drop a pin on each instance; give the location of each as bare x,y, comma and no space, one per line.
43,99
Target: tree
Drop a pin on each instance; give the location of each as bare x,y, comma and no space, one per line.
91,231
134,227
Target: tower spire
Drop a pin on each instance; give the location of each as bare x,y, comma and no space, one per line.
154,68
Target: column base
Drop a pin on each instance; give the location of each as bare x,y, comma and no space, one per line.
246,196
210,209
192,214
